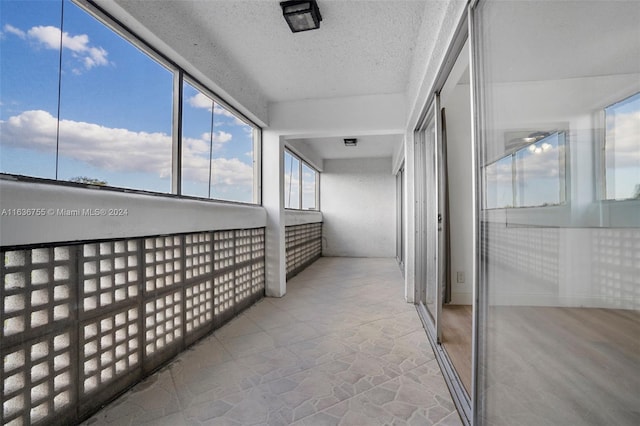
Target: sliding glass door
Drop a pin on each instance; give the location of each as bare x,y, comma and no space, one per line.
558,103
427,216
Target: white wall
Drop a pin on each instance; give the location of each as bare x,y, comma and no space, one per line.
358,208
352,115
301,217
273,201
145,214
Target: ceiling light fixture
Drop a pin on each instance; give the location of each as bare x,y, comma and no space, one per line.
351,142
301,15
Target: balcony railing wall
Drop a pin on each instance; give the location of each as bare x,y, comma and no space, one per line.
303,245
85,321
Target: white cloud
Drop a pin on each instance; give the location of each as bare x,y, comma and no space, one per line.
220,110
201,146
499,172
15,31
121,150
49,37
545,164
200,100
623,140
221,137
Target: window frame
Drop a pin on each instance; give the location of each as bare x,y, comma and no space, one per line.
301,161
179,75
602,160
563,147
257,139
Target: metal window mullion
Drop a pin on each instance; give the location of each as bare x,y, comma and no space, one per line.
176,142
317,190
479,299
301,183
257,165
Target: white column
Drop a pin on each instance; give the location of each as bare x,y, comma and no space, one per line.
272,184
410,225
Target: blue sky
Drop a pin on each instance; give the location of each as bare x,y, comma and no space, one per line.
115,109
622,154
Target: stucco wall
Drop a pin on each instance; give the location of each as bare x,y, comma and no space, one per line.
65,214
357,208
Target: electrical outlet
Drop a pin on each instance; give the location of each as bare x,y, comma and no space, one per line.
460,277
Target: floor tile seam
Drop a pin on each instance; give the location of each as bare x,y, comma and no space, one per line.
294,319
235,357
288,345
355,348
385,362
175,392
399,302
310,367
374,320
243,315
267,299
413,331
345,400
302,369
218,398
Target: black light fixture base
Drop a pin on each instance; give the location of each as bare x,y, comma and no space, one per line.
301,15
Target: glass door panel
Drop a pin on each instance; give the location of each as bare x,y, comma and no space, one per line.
559,144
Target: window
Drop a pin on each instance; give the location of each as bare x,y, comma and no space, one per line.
499,181
92,104
116,106
29,96
539,172
622,149
300,184
218,153
309,187
291,181
532,176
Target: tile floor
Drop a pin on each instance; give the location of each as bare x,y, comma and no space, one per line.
341,348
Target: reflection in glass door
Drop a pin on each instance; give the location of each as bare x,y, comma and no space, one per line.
559,151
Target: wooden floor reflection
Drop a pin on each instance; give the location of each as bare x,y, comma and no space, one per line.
456,339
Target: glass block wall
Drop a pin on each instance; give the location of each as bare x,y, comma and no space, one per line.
303,245
85,321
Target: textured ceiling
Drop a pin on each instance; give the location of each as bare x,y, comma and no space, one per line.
362,47
373,146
